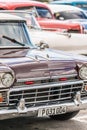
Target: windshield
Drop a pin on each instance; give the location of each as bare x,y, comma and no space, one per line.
31,21
64,15
29,16
15,31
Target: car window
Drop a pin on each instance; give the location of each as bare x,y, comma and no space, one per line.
83,6
14,31
43,12
64,15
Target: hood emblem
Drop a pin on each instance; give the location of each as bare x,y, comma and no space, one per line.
48,74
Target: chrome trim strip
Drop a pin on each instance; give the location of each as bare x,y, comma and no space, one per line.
40,101
4,90
47,85
85,80
42,78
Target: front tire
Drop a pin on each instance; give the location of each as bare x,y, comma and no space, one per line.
65,116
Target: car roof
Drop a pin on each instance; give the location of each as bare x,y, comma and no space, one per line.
16,4
56,8
10,17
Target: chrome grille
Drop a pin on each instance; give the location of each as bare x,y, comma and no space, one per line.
45,94
84,93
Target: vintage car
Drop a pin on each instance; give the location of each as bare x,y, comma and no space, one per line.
75,43
78,3
70,14
43,15
38,81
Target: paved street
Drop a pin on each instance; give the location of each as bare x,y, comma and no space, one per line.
77,123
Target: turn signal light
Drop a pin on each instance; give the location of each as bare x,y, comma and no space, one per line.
1,98
62,79
29,82
85,88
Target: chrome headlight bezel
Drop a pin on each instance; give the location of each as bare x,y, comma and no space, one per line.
7,79
83,72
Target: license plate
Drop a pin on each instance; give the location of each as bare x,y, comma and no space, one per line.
51,111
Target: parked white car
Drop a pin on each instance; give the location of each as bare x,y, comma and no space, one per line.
67,11
72,43
75,43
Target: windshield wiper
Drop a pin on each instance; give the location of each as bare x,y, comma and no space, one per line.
13,40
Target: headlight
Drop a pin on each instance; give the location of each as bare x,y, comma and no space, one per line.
83,72
7,79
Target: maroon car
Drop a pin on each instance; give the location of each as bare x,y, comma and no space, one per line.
36,80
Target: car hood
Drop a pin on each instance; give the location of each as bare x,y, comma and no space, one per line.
37,63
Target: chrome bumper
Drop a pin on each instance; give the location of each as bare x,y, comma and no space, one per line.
33,111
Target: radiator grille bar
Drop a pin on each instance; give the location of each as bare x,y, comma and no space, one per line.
38,95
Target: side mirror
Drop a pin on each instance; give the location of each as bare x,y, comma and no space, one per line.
43,45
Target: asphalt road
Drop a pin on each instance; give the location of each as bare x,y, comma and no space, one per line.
25,123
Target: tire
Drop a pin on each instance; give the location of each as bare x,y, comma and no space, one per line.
65,116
